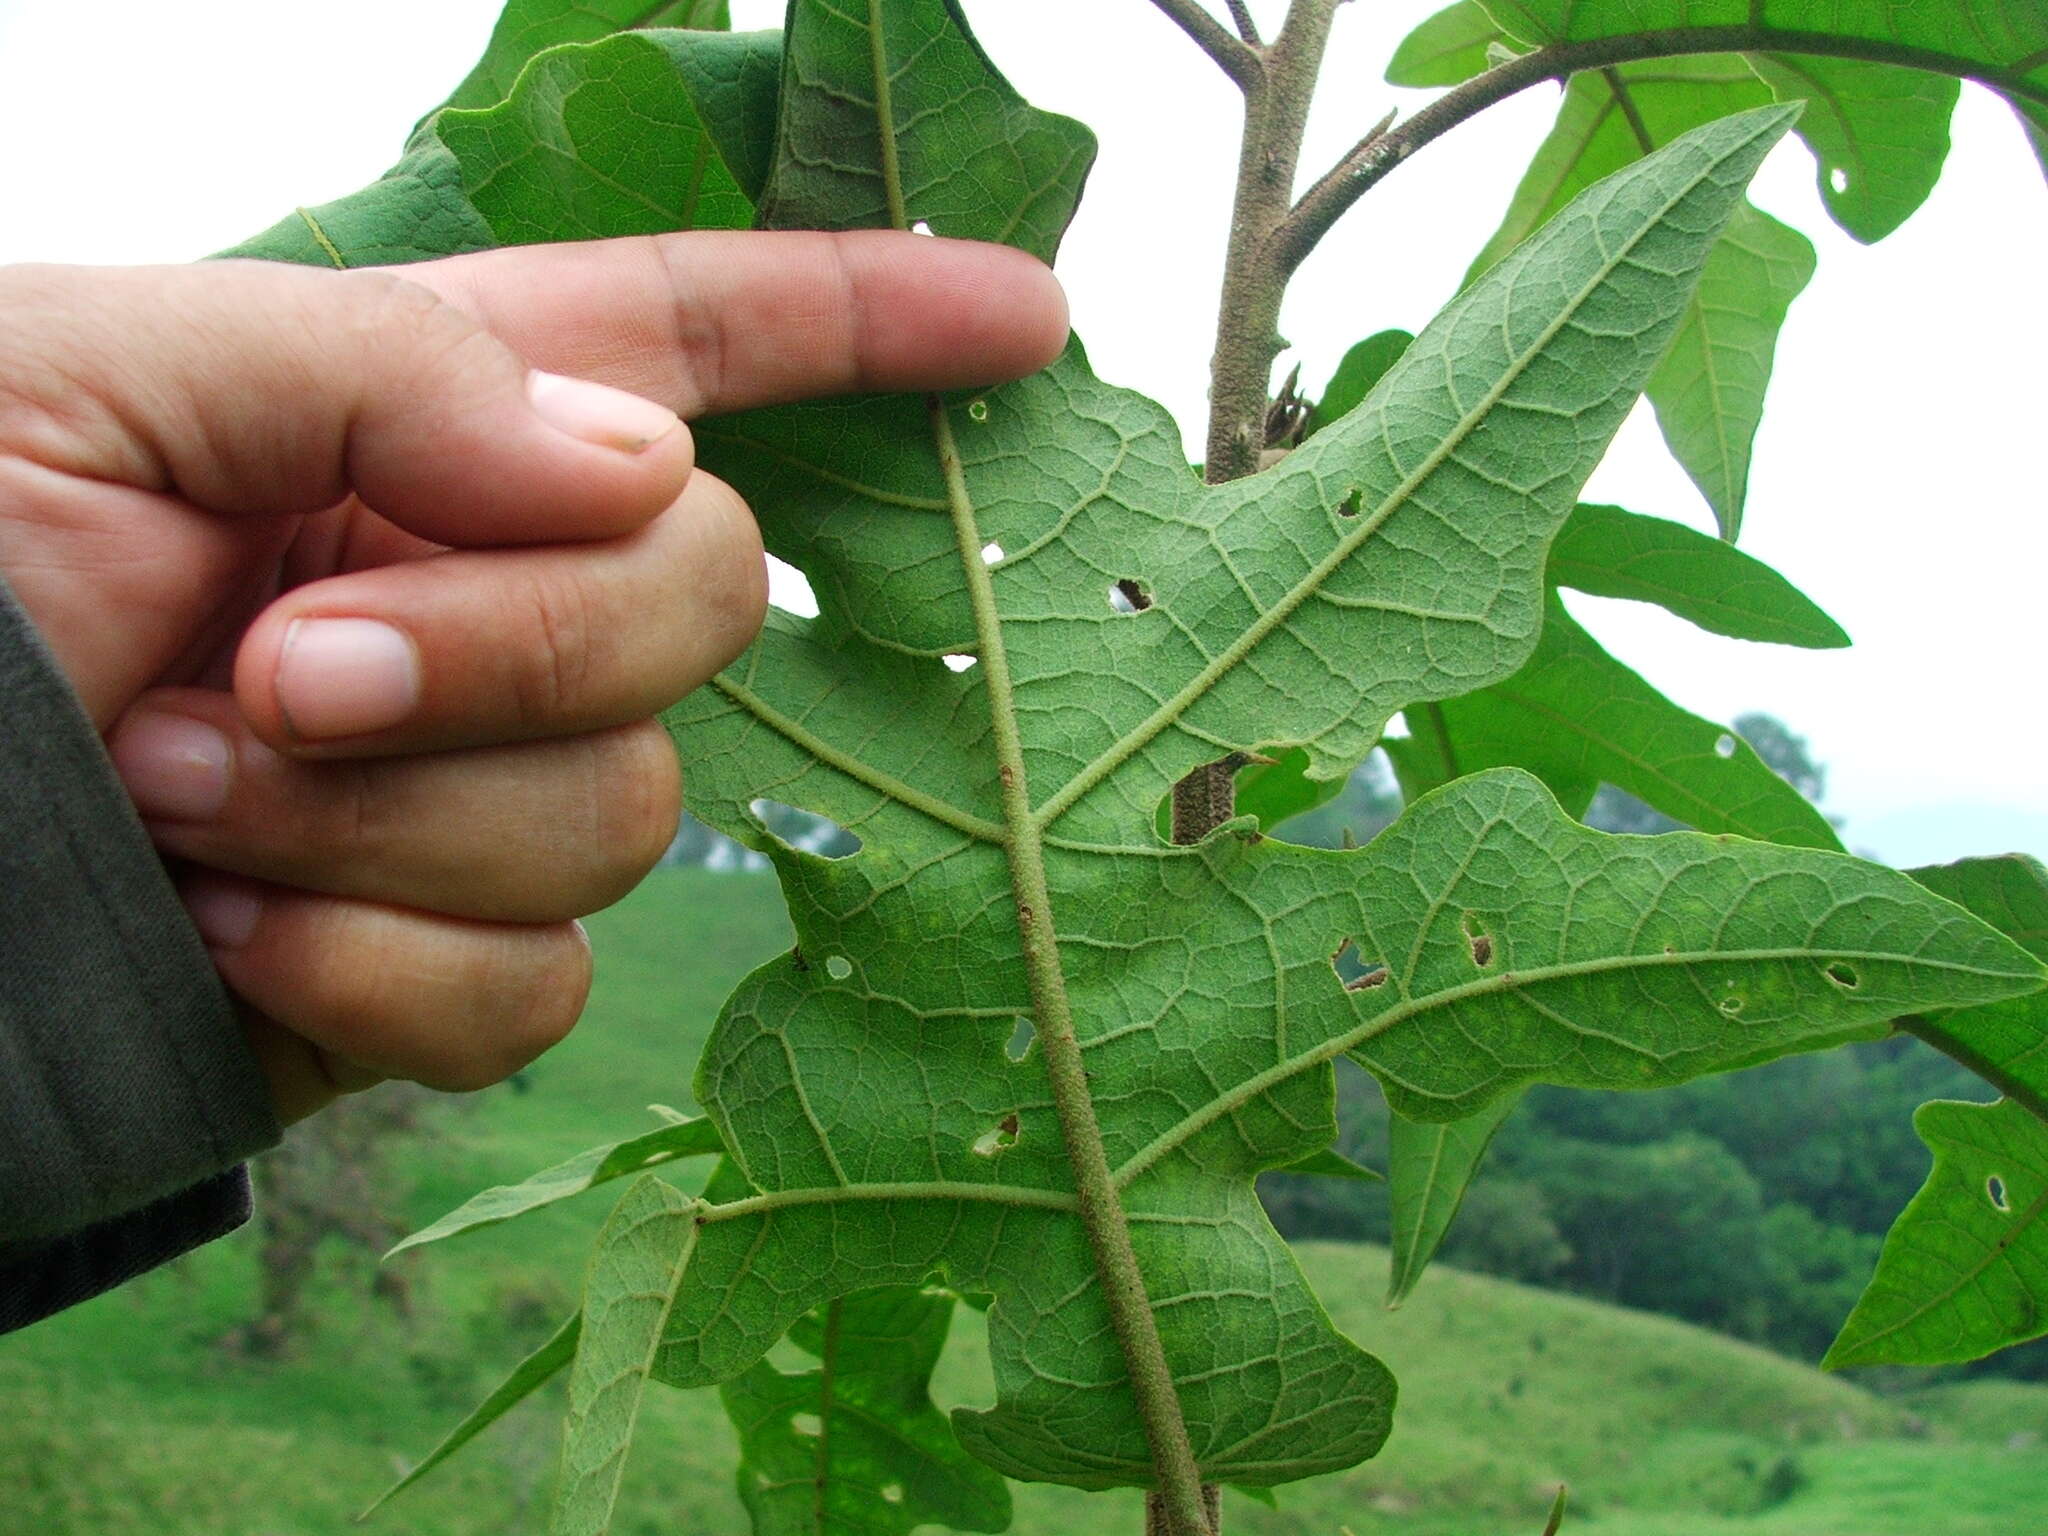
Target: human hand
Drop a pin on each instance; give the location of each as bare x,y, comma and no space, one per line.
375,618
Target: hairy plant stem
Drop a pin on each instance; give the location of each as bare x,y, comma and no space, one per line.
1276,102
1101,1207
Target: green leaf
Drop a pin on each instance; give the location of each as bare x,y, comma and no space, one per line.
641,1253
586,1170
640,133
1332,1164
1964,1271
1709,389
1574,715
1450,47
529,27
884,1131
1430,1165
527,1377
1362,367
1608,552
856,1447
2005,1043
973,157
1878,134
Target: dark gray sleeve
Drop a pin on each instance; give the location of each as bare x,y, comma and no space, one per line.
127,1093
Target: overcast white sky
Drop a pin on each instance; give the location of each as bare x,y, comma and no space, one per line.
1898,477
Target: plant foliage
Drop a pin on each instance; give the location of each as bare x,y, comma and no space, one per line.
883,1147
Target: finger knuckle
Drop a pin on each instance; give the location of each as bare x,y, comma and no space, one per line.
638,801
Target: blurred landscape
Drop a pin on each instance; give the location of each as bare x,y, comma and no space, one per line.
214,1399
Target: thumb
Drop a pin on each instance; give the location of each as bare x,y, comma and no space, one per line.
250,389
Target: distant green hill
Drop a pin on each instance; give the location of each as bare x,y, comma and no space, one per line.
122,1419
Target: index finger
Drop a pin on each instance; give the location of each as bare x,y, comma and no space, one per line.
717,321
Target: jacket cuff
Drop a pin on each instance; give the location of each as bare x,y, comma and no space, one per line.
127,1088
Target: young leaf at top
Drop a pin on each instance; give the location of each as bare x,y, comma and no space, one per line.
638,134
866,1092
856,1447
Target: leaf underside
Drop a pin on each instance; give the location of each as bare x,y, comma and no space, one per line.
879,1131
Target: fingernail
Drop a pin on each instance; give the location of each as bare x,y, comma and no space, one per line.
597,413
224,913
175,768
345,677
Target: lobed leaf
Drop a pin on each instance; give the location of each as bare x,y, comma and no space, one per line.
1608,552
640,1256
856,1447
1964,1271
1430,1166
586,1170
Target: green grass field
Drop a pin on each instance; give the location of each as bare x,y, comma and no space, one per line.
123,1417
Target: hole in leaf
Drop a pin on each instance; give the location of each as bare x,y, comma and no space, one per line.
790,590
892,1493
977,411
1994,1189
1003,1135
807,1424
1844,975
1020,1039
805,830
1129,596
838,967
991,552
920,228
1478,938
958,663
1355,972
1839,179
1348,507
1724,745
